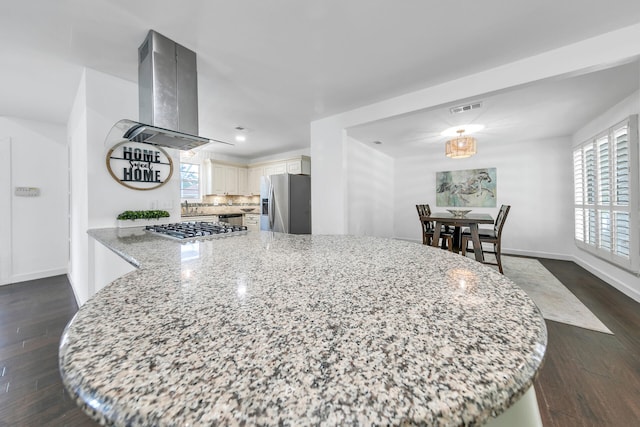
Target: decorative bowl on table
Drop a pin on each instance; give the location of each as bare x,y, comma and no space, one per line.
459,213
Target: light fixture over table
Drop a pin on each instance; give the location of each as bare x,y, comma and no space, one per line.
460,146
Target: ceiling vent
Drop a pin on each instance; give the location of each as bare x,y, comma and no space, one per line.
464,108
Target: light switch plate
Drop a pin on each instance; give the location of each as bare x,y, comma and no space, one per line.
27,191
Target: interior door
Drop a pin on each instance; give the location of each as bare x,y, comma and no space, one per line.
5,210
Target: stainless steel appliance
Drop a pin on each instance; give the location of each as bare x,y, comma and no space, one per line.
231,219
168,98
195,229
286,203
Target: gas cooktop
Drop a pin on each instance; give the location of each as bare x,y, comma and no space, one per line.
195,229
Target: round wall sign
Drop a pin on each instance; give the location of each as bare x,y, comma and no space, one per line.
139,166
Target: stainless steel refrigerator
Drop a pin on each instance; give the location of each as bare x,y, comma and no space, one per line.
285,203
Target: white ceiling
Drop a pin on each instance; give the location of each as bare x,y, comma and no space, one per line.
548,109
274,66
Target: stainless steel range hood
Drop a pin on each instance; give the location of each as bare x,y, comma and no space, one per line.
168,97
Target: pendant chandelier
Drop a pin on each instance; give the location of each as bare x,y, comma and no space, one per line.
460,146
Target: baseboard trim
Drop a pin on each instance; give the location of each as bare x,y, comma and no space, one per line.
537,254
619,285
36,275
73,289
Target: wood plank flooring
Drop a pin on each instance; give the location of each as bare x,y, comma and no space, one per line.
588,378
591,378
32,317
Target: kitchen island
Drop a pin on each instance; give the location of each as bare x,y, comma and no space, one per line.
268,328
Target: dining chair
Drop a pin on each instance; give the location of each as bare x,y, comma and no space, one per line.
428,228
493,236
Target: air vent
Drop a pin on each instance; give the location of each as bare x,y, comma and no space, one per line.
464,108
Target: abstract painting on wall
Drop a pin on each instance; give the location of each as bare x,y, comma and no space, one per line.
471,187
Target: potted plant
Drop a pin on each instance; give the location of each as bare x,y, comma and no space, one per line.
140,218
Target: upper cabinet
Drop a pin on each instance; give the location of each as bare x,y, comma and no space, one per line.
227,179
299,166
253,180
275,168
243,183
218,179
223,179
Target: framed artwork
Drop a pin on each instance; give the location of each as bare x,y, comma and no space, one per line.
471,187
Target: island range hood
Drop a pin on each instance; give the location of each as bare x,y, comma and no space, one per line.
168,97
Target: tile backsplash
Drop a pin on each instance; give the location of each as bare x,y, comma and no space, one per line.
230,200
220,204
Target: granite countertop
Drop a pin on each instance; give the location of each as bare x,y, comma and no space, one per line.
267,328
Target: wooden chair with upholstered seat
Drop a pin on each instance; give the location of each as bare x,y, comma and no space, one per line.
427,229
493,236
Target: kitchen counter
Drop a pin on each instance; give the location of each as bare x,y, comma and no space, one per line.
268,328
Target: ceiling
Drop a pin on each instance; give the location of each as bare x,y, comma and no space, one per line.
274,66
548,109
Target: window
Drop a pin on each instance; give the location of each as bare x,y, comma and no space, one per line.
189,181
606,196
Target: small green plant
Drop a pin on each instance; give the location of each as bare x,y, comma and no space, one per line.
152,214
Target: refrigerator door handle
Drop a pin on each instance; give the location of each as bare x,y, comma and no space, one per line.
271,213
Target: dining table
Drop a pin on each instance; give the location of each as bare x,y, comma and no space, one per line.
470,220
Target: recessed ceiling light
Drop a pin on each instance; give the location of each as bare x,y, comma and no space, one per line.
468,129
240,134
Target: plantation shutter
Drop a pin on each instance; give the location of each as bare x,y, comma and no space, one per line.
605,193
621,184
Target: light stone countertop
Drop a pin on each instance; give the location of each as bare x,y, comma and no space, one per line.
267,328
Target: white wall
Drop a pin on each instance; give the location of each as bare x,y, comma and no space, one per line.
5,210
534,177
534,234
329,212
34,240
97,198
328,140
110,99
621,279
370,188
78,186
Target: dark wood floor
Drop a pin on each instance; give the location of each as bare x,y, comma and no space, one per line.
588,378
32,317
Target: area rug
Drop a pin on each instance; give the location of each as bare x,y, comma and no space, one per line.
554,300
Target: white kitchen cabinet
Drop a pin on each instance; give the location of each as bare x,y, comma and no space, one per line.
252,222
275,168
227,179
219,179
224,179
231,180
207,177
300,166
253,179
243,184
